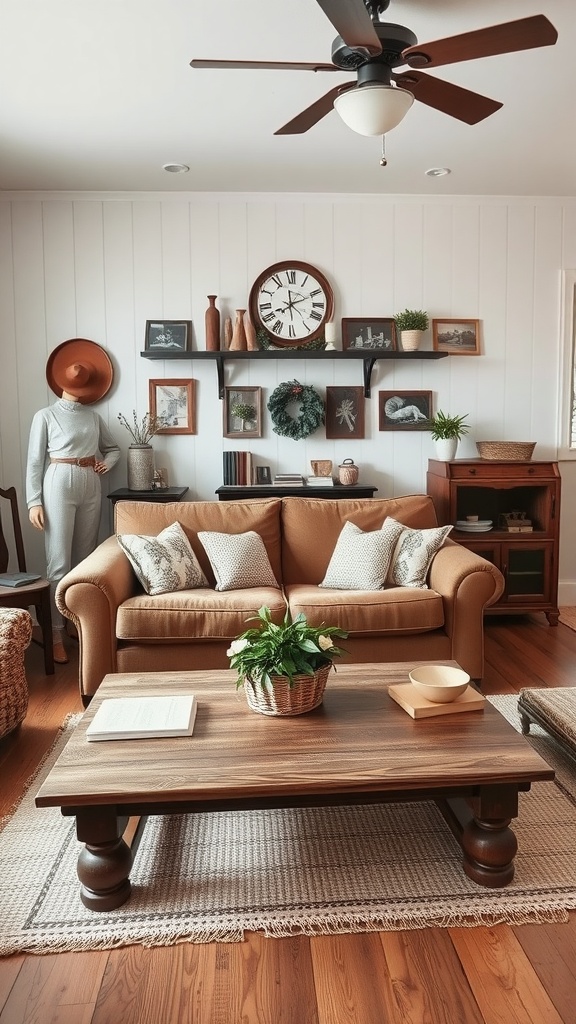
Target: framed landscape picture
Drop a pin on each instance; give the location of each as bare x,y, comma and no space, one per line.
168,336
404,410
243,412
345,412
458,337
369,333
174,403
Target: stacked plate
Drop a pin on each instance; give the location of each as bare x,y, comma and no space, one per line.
478,526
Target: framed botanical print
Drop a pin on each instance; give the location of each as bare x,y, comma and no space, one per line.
458,337
243,412
173,402
404,410
168,336
345,413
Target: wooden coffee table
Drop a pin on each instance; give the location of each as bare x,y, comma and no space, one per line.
358,747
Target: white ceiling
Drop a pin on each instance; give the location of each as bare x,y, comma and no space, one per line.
98,95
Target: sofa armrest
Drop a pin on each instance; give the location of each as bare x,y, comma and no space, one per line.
467,584
90,595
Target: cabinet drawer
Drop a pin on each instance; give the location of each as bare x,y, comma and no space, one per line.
484,470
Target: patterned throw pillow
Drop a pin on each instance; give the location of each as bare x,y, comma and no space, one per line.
164,563
238,560
413,551
360,560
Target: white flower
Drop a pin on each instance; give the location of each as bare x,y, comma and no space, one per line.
325,643
236,646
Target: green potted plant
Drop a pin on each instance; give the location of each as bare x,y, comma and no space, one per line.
244,412
411,324
284,667
446,431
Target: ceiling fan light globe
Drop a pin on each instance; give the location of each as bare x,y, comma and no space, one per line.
373,109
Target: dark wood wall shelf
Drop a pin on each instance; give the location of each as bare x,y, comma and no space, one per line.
368,358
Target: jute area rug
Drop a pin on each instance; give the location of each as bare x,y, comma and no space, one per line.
568,617
212,877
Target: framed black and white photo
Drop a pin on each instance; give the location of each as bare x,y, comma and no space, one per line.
173,402
243,412
404,410
168,336
369,333
345,413
263,475
458,337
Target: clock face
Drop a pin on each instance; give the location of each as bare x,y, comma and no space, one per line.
291,301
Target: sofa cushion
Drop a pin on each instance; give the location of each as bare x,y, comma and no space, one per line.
261,515
311,527
413,551
360,560
163,563
394,611
193,615
238,560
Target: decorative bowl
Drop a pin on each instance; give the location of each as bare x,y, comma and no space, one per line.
439,683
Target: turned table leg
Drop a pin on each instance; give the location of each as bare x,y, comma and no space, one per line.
481,826
105,861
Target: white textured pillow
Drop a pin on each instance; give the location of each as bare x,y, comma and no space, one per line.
164,563
360,560
238,560
413,551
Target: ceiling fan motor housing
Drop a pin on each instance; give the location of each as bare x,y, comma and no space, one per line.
393,39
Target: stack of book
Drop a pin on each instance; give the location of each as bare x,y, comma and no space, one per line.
288,480
237,469
320,481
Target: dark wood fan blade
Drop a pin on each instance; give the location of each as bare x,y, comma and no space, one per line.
524,34
451,99
314,113
352,21
269,65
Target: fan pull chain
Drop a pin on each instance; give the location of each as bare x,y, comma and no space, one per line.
383,158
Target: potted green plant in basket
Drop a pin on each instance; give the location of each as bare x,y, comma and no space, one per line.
284,667
411,324
446,431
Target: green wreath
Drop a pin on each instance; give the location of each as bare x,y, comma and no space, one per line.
311,410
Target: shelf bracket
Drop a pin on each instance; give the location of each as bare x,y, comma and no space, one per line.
368,367
220,372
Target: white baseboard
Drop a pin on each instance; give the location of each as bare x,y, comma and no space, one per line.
567,593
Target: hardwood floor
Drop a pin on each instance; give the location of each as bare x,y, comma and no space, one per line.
499,975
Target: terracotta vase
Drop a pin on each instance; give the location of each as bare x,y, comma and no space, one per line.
227,332
239,343
251,341
212,321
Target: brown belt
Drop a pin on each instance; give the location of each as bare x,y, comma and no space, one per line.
87,460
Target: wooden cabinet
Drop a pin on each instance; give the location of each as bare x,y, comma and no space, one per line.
491,489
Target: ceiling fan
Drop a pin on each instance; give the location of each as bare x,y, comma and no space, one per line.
380,97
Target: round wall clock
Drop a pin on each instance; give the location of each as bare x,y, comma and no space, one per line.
291,302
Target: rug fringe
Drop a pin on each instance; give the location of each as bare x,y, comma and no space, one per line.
325,924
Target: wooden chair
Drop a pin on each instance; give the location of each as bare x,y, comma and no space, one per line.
36,594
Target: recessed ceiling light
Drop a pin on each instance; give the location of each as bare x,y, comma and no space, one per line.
438,172
176,168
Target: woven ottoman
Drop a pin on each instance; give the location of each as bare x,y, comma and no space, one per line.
554,710
15,635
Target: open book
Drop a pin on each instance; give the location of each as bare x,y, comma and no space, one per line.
132,718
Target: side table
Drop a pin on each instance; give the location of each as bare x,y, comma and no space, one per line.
162,494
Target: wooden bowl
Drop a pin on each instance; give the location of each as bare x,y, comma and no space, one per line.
439,683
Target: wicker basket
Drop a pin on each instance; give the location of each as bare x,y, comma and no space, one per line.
305,694
513,451
15,636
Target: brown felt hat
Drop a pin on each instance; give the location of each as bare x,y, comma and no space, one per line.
80,367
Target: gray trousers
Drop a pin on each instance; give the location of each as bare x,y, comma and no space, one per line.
72,500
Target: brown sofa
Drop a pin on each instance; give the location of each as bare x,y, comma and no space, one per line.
123,629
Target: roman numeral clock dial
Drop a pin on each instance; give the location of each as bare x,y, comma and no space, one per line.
291,302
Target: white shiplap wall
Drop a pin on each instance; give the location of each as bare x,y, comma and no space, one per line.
99,266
